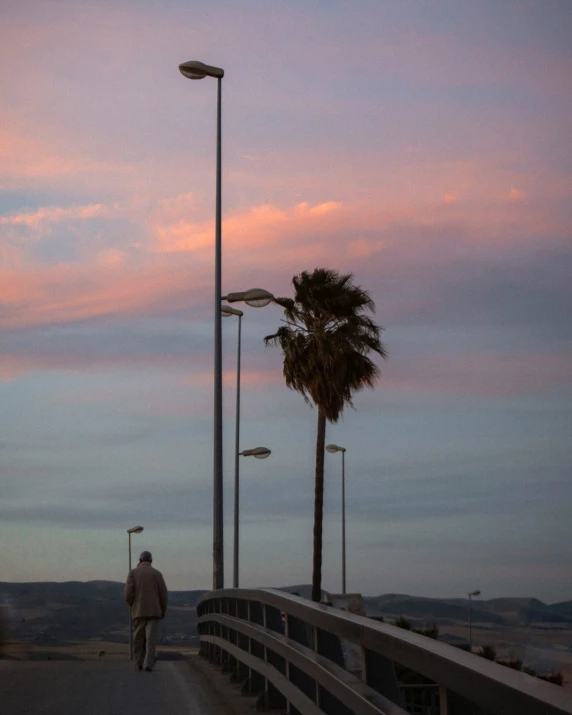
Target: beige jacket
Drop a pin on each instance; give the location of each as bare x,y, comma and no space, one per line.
146,592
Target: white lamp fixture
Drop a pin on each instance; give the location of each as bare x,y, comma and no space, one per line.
255,297
227,311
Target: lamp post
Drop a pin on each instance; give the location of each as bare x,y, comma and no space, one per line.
132,530
255,298
334,448
476,592
227,311
259,453
198,70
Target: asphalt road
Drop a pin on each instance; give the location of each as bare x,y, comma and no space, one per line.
103,688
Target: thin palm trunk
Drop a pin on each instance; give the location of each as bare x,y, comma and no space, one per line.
318,507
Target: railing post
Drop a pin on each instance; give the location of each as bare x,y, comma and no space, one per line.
378,672
249,619
316,649
287,634
223,634
443,709
264,623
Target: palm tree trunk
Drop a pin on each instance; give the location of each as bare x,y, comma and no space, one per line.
318,507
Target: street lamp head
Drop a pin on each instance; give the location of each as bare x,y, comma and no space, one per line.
227,310
334,448
255,297
258,452
476,592
135,530
198,70
258,298
262,453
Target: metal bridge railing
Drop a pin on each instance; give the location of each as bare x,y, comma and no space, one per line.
290,651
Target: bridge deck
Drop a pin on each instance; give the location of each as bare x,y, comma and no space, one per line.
103,688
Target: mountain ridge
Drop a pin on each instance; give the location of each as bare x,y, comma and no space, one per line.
92,598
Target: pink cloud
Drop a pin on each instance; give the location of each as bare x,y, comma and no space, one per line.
147,271
516,195
247,228
66,293
13,366
52,214
26,159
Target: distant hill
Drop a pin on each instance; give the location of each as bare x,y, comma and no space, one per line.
430,609
564,608
523,611
75,611
497,611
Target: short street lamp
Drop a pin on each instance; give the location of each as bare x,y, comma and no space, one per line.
255,298
132,530
334,448
259,453
227,311
198,70
476,592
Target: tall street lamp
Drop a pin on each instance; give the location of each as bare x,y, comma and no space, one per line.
334,448
476,592
259,453
132,530
198,70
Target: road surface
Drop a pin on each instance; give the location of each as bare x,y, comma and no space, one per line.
103,688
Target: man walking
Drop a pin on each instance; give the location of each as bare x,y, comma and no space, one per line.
146,594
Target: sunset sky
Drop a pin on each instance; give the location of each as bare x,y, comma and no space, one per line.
423,145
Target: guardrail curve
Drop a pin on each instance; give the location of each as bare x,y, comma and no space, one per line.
311,658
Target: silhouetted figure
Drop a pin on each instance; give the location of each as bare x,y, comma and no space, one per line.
146,594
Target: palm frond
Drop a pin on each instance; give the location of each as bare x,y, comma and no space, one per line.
327,338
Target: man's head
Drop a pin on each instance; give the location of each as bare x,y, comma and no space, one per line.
145,557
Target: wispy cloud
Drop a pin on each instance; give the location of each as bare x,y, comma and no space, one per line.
70,293
52,214
248,229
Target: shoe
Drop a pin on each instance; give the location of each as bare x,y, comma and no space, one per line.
138,666
149,670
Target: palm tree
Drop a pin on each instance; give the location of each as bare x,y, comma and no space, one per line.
325,343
